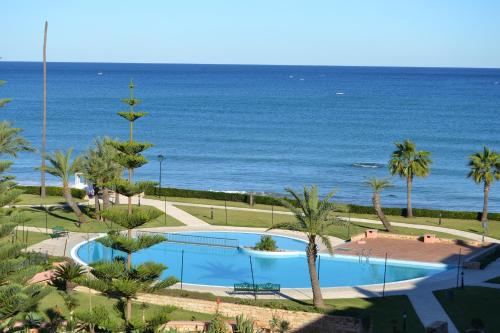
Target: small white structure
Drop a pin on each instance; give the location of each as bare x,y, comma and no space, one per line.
80,182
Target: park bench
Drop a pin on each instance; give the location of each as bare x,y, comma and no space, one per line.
58,231
255,288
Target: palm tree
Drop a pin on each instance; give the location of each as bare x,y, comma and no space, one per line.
485,168
101,168
44,125
312,217
62,167
408,163
377,186
67,274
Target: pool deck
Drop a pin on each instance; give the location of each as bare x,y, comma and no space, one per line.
413,250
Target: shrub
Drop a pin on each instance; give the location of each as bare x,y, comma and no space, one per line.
266,243
424,212
52,191
217,324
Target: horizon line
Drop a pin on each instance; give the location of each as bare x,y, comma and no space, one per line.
244,64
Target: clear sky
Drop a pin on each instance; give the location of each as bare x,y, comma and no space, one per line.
451,33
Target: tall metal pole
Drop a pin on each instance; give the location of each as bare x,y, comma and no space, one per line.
225,208
458,266
385,274
160,158
253,279
165,208
182,267
44,125
319,265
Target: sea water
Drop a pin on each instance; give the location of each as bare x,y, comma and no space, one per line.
264,128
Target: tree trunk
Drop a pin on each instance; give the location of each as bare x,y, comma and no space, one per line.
117,198
44,124
97,204
129,310
105,198
484,216
71,203
380,213
311,262
409,211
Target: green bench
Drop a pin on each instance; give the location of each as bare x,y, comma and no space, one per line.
255,288
58,231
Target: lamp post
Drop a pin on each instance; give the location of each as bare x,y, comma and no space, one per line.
160,158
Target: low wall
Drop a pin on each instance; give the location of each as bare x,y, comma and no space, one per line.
362,236
300,321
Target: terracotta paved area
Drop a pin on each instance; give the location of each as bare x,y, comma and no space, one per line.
407,250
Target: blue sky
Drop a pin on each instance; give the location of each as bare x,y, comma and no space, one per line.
451,33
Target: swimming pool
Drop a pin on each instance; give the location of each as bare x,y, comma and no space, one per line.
217,266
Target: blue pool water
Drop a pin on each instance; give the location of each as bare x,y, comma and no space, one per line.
217,266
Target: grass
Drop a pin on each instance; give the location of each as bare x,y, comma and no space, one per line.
61,216
29,238
31,199
54,298
495,280
458,224
213,202
473,226
385,313
472,303
266,220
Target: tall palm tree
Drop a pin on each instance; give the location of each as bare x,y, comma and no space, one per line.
485,168
312,217
44,124
3,101
408,163
61,166
377,186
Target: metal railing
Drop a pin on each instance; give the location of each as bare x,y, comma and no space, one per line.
197,239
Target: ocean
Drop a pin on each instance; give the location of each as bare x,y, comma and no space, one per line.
264,128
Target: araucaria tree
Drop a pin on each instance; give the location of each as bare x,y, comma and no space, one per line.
119,277
377,185
312,217
16,265
409,163
485,168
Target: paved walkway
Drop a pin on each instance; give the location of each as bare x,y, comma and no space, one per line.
168,208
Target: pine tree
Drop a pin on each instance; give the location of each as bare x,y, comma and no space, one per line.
119,278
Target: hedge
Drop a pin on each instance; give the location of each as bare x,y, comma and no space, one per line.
52,191
200,194
423,212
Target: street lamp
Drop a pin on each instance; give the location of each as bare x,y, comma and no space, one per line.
160,159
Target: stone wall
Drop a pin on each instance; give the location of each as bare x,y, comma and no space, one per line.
300,321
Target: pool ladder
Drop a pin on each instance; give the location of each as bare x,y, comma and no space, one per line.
364,256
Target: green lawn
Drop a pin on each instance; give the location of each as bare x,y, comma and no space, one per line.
59,216
384,312
459,224
495,280
213,202
29,238
266,220
31,199
84,300
472,303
